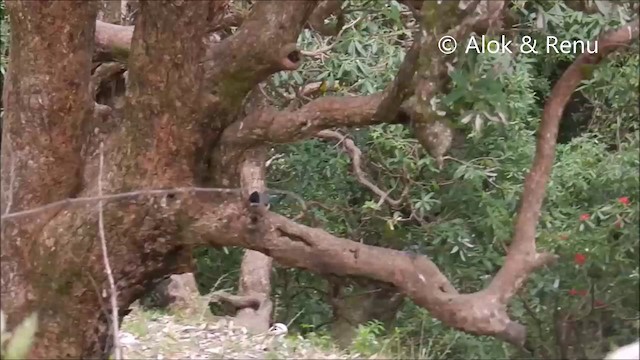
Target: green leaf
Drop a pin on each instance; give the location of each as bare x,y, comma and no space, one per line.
20,343
297,77
460,172
360,48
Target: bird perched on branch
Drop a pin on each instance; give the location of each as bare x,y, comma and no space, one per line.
258,205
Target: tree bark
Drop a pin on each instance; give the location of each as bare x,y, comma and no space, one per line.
47,104
51,263
255,270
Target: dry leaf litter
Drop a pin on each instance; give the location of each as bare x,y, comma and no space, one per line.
167,336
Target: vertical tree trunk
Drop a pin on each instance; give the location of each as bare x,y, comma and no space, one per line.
52,261
255,271
47,104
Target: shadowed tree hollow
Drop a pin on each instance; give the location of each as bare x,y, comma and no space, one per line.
183,154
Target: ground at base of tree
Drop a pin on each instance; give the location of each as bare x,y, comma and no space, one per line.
161,335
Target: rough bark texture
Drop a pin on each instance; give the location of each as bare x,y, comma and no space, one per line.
46,105
255,271
51,263
182,126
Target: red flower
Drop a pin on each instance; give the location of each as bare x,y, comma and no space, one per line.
574,292
624,200
599,303
580,259
564,237
585,217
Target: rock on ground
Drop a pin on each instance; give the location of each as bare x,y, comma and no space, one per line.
176,292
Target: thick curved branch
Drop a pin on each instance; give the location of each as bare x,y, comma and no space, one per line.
296,245
522,256
238,301
264,44
329,112
356,161
112,42
402,86
275,126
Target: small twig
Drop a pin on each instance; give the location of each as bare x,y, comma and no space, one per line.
272,159
102,307
356,161
294,318
107,265
12,176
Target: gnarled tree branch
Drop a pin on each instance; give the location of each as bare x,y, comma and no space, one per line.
402,86
275,126
264,44
272,126
522,257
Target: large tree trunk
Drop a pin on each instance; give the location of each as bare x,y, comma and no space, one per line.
47,103
51,263
177,104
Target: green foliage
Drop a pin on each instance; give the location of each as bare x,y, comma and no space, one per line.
4,51
4,40
17,343
367,339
